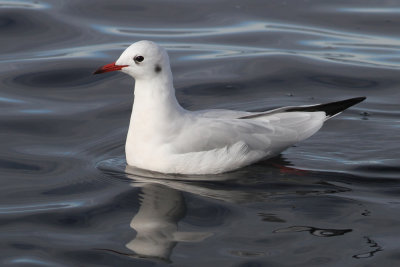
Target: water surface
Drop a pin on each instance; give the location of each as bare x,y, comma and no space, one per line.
67,198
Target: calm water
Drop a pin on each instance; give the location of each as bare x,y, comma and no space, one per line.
67,199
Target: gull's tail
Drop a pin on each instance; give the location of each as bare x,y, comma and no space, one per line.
331,109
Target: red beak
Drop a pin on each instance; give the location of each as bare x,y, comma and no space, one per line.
109,67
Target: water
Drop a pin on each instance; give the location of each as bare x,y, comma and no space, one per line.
67,199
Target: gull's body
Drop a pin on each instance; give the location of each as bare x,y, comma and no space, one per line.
164,137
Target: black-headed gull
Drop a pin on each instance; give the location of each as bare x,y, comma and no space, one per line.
166,138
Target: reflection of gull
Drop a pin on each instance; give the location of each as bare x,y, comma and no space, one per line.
162,203
196,185
162,206
156,223
225,186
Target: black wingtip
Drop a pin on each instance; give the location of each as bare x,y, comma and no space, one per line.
332,108
358,99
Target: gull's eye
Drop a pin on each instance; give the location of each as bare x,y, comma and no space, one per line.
138,59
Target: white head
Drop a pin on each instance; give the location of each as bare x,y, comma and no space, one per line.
141,60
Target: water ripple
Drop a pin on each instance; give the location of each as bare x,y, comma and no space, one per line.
11,100
370,10
23,4
314,42
241,28
311,42
39,207
92,51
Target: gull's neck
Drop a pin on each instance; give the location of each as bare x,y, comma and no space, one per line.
154,112
155,98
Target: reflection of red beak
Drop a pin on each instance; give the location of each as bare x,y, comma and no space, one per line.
109,67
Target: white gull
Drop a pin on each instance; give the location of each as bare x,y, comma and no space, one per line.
166,138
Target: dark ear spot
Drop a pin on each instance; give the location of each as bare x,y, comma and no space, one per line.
158,68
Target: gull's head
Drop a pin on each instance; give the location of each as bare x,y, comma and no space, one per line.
141,60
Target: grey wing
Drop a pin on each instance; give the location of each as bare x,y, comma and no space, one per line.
266,133
222,113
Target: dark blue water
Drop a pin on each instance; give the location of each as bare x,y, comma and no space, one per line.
67,199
